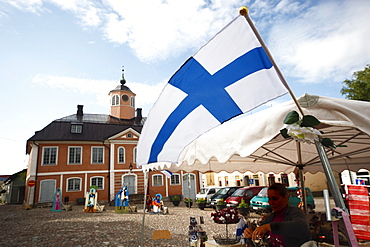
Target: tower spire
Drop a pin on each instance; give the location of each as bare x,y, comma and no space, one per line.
123,81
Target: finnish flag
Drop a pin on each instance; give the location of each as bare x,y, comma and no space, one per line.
230,75
167,173
240,227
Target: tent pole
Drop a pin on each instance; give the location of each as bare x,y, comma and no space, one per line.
301,176
333,186
303,188
145,194
338,199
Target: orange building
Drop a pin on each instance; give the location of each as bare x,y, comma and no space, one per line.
82,150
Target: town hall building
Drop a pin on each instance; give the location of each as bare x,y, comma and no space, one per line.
82,150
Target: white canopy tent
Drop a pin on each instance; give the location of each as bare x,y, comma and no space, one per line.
254,143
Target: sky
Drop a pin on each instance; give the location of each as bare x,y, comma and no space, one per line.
57,54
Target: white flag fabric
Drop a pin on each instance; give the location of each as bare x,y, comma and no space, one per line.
240,227
230,75
167,173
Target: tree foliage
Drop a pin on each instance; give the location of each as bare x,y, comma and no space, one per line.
359,87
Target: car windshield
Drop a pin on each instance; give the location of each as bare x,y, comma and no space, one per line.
238,193
202,191
222,191
263,192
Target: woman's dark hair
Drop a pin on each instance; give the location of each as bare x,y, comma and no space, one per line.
279,188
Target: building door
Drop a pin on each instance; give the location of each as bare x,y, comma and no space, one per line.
188,185
130,182
47,190
17,195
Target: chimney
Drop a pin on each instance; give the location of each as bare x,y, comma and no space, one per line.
139,117
80,111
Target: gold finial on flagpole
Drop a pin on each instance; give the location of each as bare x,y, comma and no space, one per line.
243,11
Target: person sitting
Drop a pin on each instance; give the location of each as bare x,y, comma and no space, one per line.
286,225
157,203
148,203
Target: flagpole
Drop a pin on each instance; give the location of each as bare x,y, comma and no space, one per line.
244,12
144,208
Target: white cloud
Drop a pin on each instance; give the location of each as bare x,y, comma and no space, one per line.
156,30
326,42
34,6
147,94
87,11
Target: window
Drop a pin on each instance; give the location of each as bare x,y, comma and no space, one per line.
271,179
284,179
76,128
121,155
115,99
132,101
74,155
97,155
157,180
74,184
175,179
97,181
135,151
49,156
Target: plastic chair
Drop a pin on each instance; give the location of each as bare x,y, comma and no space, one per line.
160,234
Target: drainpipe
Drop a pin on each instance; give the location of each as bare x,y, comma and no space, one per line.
108,170
37,168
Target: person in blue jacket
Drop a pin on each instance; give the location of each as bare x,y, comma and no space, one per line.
286,225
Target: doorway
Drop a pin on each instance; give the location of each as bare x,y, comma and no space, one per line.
188,185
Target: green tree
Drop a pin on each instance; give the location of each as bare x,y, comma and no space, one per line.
359,87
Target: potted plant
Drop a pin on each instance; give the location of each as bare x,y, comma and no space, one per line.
221,204
243,208
188,202
175,200
202,203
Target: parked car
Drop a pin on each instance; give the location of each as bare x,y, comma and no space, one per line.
223,193
260,202
246,193
206,193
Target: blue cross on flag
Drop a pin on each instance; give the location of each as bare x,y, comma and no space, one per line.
230,75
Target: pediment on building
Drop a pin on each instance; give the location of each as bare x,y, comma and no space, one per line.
128,134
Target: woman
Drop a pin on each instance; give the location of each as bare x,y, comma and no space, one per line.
286,225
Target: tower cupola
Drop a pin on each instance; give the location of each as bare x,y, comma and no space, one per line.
122,101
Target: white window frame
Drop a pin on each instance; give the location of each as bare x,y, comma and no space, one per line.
118,155
132,101
155,180
135,154
43,157
92,155
73,190
97,177
179,180
76,128
69,154
115,99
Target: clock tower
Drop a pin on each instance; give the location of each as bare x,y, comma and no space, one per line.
122,101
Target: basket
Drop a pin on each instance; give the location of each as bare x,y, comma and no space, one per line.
226,239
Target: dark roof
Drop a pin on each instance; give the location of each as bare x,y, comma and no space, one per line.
122,87
95,127
14,176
